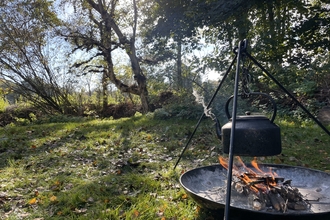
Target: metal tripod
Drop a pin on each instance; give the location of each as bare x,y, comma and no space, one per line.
240,51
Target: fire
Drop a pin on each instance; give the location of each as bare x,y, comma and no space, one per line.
256,179
267,188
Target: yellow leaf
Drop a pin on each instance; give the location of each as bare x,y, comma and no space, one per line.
33,201
53,198
136,213
184,196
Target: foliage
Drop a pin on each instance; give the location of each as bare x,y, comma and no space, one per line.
3,104
288,38
175,42
25,58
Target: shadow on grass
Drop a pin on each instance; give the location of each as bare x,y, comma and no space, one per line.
247,215
120,169
105,169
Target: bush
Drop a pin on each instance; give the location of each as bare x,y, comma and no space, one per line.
21,114
181,106
3,104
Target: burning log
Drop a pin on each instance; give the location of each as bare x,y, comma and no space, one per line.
277,201
266,189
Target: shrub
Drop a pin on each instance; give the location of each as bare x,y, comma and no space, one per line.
3,104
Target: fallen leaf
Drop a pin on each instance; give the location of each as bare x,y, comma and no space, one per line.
24,215
57,183
53,198
136,213
160,214
80,211
90,200
33,201
95,163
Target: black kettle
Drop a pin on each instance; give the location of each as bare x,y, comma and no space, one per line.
255,135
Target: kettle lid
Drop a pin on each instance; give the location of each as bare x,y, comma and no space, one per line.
249,116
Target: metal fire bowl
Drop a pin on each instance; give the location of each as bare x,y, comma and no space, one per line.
207,186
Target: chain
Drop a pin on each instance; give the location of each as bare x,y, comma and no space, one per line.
246,79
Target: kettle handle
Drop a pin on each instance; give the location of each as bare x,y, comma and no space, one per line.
253,93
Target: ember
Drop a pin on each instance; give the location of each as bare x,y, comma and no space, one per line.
264,188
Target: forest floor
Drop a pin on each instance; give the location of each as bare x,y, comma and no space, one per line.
82,168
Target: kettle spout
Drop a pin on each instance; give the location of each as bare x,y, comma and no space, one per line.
218,128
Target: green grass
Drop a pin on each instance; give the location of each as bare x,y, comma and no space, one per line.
122,169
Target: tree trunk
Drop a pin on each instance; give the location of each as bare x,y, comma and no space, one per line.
179,64
104,91
140,88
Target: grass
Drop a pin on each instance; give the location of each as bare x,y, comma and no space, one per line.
122,169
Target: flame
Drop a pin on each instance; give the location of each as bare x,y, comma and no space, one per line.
255,165
223,162
256,179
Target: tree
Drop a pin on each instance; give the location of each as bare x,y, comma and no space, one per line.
103,31
24,58
288,37
177,23
171,24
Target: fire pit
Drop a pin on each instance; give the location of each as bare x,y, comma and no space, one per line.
207,186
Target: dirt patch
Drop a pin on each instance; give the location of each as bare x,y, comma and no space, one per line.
324,115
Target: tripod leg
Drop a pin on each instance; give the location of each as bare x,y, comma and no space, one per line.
207,107
241,48
288,93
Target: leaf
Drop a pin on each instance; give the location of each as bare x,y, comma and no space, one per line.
53,198
136,213
56,186
33,201
198,209
80,211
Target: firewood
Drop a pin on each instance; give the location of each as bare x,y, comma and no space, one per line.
256,202
277,201
264,190
300,205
